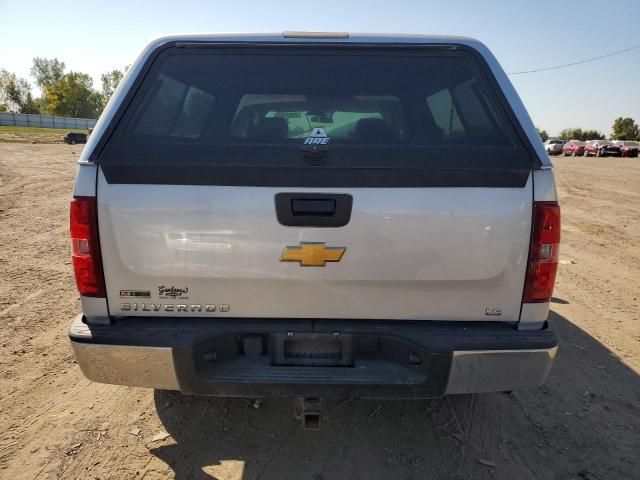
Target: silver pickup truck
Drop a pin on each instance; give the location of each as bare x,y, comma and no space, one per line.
315,215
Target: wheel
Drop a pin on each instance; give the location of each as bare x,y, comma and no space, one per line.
72,142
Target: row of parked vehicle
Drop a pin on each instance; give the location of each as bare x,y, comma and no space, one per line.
592,148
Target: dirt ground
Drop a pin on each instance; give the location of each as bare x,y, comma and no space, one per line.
583,424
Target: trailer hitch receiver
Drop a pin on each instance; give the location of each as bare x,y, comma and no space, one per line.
308,410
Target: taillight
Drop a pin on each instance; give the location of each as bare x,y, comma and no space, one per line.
85,248
543,253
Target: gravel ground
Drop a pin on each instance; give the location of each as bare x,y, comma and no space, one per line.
583,424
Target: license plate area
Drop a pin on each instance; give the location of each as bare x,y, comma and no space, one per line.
312,349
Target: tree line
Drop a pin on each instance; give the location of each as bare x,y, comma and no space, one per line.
624,128
62,93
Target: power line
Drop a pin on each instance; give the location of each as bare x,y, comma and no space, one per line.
586,60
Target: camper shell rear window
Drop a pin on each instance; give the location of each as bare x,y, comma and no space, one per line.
268,106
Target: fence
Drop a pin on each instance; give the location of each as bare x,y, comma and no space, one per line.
44,121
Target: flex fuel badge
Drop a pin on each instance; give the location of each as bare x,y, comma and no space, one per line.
135,294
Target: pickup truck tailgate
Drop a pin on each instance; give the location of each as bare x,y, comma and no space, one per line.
419,253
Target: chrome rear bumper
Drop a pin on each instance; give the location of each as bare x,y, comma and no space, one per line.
127,365
499,370
448,363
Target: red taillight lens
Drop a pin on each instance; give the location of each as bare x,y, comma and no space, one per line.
543,254
85,248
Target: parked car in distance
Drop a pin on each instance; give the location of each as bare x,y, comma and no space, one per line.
573,148
553,146
628,148
72,138
601,148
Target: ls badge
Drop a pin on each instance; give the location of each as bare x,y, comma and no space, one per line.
311,254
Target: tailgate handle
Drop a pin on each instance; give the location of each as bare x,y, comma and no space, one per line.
313,206
313,209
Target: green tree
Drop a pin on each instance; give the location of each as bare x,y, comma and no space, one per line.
72,95
579,134
571,133
625,129
593,135
544,136
110,81
47,71
15,93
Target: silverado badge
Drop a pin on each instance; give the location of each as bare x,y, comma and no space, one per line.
312,254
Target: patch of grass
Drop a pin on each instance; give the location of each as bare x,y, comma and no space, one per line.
34,134
40,131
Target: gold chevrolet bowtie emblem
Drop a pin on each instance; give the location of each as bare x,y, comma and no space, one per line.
312,254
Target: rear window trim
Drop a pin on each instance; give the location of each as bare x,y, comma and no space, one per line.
487,76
